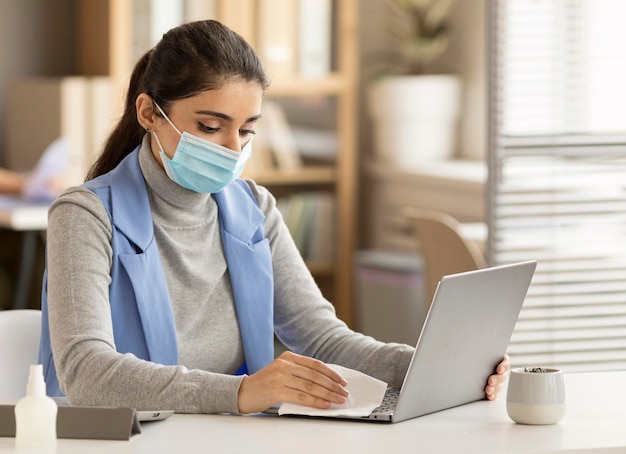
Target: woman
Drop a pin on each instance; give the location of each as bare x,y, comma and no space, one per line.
167,276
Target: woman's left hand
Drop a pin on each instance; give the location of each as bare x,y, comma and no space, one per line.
495,382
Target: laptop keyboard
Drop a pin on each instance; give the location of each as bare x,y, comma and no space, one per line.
389,401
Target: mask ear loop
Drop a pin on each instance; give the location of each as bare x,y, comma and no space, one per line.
164,158
158,141
166,118
171,124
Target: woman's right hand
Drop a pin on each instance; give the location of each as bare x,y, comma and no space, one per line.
292,378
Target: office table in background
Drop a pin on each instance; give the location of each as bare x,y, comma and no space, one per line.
595,421
31,219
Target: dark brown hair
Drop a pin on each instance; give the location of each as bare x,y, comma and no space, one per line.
188,60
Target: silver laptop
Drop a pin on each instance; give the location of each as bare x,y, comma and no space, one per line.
465,335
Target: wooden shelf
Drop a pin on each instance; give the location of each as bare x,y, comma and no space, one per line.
333,84
305,176
322,269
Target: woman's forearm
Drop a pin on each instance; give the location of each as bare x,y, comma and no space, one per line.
12,182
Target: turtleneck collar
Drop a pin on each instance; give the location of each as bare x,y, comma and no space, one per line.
169,197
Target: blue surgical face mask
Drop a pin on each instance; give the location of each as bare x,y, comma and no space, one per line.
200,165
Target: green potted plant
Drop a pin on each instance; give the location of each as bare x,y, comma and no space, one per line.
408,103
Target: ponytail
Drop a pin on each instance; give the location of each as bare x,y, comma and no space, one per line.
128,133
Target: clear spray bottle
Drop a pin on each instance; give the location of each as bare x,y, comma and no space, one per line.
35,414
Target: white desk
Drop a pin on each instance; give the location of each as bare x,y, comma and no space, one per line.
18,214
31,219
595,418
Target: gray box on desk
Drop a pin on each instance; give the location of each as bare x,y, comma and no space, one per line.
391,304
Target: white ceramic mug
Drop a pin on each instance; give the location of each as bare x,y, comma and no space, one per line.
536,396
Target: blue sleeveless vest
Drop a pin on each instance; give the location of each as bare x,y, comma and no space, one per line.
143,322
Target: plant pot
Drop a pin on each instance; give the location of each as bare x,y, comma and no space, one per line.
415,118
536,396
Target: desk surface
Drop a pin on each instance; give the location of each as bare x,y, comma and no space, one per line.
18,214
595,421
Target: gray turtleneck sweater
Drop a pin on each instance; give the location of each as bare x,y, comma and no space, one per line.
187,232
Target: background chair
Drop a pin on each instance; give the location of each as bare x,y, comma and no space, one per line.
19,348
444,250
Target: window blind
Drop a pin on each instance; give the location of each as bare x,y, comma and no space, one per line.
557,175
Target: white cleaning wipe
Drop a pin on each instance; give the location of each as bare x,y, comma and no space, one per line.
366,393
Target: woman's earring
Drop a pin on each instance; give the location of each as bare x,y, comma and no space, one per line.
147,129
